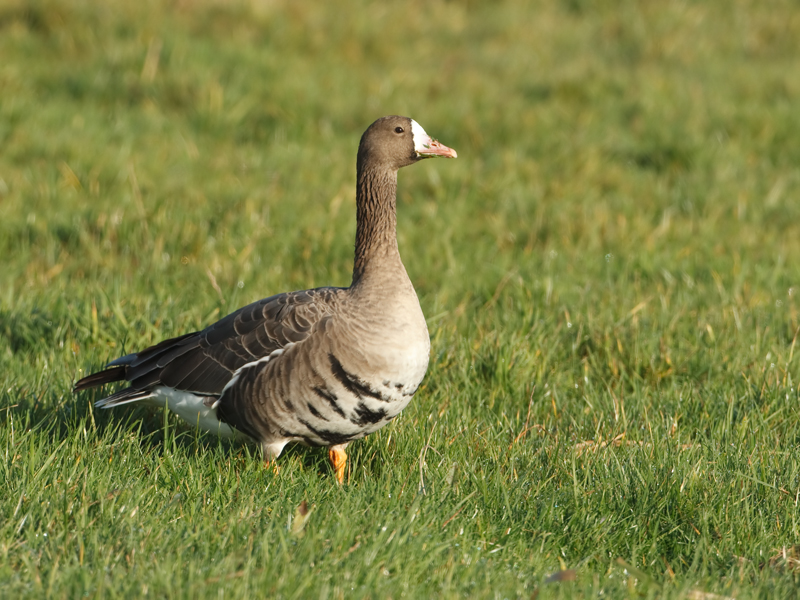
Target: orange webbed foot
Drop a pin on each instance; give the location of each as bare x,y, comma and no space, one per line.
339,461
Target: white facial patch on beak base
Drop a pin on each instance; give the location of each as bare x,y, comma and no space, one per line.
422,141
425,146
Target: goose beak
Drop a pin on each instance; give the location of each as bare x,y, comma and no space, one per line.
427,147
430,148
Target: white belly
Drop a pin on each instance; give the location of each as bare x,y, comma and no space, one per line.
192,409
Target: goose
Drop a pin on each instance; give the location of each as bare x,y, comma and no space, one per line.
319,367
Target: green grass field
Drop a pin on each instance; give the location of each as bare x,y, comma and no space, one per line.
608,271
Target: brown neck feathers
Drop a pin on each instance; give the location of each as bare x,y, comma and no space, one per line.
376,230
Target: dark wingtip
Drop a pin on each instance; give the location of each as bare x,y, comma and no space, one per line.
100,378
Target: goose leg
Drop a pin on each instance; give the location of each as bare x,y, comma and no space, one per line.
339,460
271,453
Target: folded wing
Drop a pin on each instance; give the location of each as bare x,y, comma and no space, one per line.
204,362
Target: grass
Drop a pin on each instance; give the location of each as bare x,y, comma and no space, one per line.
607,271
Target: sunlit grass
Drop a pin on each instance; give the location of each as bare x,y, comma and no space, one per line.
607,271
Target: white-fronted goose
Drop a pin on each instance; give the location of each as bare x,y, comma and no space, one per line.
321,367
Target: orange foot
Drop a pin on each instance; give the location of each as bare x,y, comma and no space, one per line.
339,460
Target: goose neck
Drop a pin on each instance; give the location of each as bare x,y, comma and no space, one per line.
376,222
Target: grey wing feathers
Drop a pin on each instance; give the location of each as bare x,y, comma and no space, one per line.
205,361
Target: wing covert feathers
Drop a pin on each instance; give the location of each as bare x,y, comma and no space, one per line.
204,362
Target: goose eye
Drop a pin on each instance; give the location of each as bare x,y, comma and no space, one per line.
398,130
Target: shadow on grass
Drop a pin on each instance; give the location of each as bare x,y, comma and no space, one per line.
59,417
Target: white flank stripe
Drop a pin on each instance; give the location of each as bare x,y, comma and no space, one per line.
263,359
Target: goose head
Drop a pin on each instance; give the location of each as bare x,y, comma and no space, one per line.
394,142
